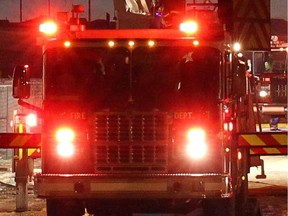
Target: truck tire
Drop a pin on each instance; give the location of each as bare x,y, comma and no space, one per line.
59,207
218,207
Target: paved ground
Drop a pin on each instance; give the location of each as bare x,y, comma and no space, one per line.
271,192
276,170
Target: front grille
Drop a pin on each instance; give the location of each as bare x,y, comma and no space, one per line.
130,142
279,89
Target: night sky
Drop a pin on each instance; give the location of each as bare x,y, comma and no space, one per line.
10,9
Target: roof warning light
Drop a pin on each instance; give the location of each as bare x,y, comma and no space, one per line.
48,28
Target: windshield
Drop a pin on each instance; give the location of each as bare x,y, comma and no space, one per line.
148,78
276,62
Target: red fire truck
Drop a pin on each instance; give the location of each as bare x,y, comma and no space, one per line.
140,120
272,86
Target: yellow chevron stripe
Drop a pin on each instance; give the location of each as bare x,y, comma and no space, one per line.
272,151
281,138
254,139
251,152
267,126
19,141
31,151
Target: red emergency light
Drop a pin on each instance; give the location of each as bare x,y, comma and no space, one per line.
48,28
189,27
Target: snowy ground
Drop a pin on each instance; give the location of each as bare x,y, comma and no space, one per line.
8,191
276,171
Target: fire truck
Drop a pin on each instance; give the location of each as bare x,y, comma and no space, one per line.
269,71
141,120
271,86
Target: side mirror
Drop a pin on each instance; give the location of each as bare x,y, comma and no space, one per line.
21,82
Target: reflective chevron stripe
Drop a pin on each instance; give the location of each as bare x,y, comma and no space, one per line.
31,152
264,143
268,151
20,140
263,139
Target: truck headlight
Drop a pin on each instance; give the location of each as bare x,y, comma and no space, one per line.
196,146
263,93
65,142
65,149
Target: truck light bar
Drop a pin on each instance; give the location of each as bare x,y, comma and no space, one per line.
48,28
189,27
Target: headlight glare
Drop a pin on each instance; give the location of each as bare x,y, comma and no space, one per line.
65,149
65,138
65,135
263,93
196,146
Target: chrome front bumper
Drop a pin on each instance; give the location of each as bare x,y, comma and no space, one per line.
113,186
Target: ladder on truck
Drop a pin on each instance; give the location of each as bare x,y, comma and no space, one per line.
202,5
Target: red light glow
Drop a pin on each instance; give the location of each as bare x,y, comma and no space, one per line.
189,27
48,28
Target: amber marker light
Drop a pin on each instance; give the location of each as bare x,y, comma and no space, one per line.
196,43
111,44
67,44
131,43
151,43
